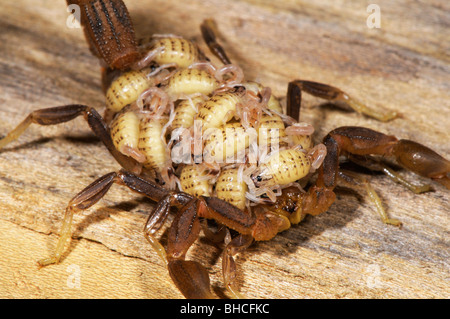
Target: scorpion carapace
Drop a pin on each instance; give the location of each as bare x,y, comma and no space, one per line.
198,136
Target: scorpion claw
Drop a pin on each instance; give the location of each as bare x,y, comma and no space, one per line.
191,279
423,161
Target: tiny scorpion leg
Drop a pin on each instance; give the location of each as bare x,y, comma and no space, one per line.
329,93
65,113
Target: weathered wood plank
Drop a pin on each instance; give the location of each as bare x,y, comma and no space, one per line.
344,253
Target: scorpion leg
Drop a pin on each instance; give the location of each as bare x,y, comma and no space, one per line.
83,200
373,196
159,215
94,192
208,32
61,114
363,141
233,247
375,165
329,93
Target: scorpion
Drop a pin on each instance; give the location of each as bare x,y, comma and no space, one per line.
162,93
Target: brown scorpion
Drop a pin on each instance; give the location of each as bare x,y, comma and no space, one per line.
282,201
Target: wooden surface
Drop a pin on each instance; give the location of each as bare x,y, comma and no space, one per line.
344,253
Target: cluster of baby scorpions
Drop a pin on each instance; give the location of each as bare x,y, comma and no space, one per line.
222,149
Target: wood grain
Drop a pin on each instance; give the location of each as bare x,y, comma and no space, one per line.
345,253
